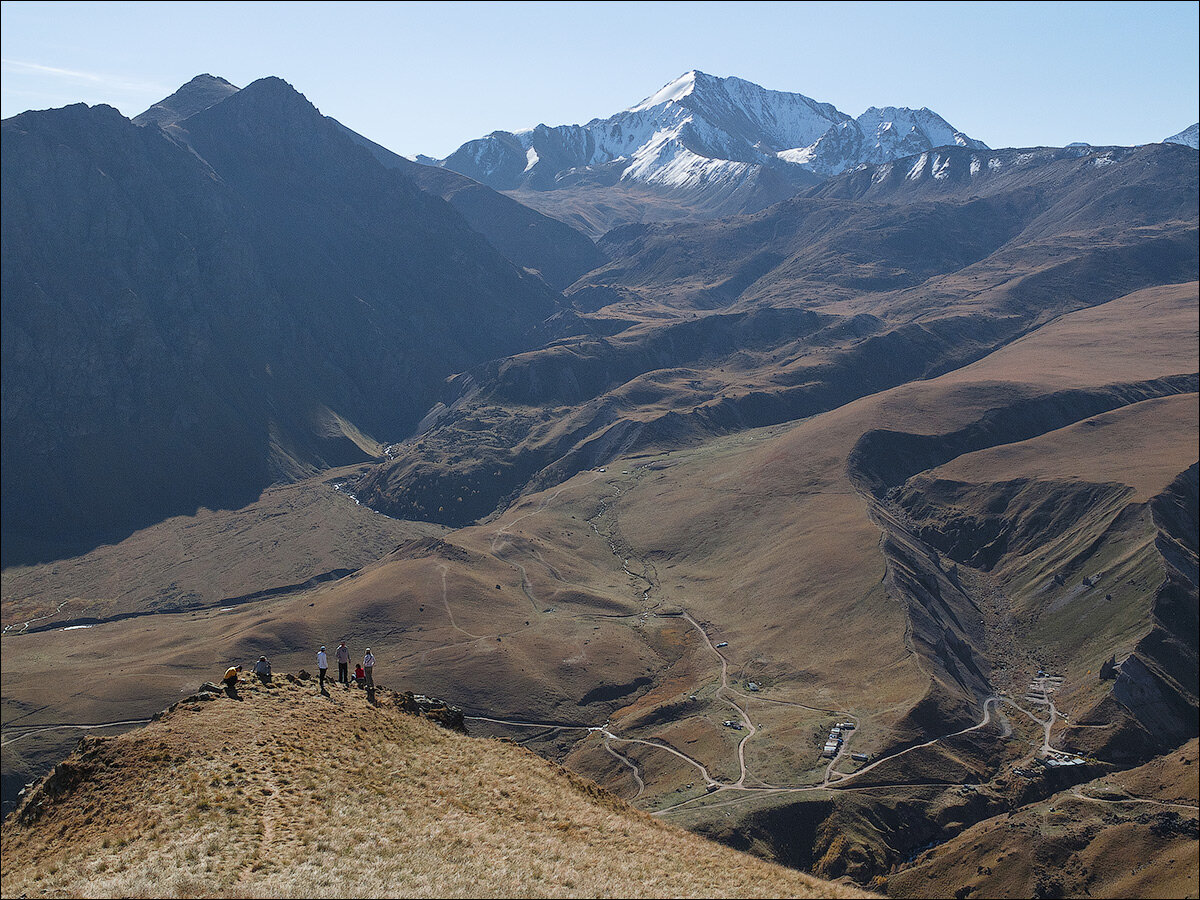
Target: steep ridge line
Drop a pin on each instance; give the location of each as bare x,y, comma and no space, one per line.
883,459
265,594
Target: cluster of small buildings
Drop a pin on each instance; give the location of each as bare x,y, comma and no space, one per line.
1056,759
835,738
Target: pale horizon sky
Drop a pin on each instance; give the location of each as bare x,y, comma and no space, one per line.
427,77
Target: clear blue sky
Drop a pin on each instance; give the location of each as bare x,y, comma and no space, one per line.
425,77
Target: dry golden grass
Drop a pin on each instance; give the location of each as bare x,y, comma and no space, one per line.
291,794
1144,445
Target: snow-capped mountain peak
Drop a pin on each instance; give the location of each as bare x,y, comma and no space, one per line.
1189,137
672,92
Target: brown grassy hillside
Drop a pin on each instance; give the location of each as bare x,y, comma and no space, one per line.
1131,834
286,792
564,610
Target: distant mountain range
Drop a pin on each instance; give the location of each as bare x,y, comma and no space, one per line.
702,130
721,144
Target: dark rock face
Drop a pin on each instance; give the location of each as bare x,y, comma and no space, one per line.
559,253
184,323
198,94
439,711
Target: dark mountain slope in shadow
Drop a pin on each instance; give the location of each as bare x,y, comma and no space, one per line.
558,252
185,323
525,237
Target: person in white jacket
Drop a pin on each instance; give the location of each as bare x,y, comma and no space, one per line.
369,669
322,665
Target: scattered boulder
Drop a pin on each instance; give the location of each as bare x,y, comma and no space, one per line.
439,711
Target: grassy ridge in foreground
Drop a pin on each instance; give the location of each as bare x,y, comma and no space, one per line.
288,793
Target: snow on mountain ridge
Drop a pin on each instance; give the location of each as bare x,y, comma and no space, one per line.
671,92
1189,137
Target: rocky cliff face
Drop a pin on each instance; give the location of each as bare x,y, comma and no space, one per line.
189,316
553,249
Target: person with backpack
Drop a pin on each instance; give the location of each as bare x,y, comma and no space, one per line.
343,661
322,666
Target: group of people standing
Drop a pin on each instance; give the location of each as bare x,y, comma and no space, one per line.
364,673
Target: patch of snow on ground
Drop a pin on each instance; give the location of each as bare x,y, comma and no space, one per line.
976,165
674,165
531,159
918,167
941,167
797,155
